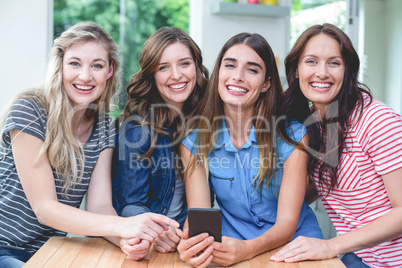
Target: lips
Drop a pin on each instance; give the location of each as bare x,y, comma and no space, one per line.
321,86
83,89
236,90
178,86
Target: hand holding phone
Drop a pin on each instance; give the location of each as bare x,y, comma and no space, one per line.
205,220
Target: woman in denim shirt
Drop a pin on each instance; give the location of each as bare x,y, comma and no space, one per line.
147,176
251,158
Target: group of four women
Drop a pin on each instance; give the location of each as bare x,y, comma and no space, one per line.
182,139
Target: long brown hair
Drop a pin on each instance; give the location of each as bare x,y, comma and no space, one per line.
211,111
326,144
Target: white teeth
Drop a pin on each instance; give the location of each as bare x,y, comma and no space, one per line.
176,86
237,89
321,85
84,87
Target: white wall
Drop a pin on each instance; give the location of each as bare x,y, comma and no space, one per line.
393,54
382,47
211,31
26,34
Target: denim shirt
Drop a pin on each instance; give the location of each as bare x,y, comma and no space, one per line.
247,212
143,184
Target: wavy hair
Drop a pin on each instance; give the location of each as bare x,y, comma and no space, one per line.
326,144
142,91
65,152
266,107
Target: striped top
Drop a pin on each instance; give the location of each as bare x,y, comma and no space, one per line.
19,227
373,147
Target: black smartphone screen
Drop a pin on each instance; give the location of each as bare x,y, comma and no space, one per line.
205,220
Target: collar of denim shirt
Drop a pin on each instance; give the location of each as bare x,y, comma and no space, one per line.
225,140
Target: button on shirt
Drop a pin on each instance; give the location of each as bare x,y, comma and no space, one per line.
248,212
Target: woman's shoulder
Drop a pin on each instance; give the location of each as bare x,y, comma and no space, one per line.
29,101
133,129
134,123
189,140
377,106
295,129
190,135
374,118
376,111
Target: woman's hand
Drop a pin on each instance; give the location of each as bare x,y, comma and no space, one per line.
230,251
197,250
135,248
305,248
168,240
146,226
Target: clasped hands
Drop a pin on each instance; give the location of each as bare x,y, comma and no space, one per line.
142,230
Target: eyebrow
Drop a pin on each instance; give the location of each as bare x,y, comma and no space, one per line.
315,56
249,62
94,60
186,58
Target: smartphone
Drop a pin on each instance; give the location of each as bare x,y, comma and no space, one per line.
205,220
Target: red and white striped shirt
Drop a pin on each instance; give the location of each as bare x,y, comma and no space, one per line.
373,147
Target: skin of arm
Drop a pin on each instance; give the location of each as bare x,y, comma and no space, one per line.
196,250
38,183
311,193
290,201
99,196
380,230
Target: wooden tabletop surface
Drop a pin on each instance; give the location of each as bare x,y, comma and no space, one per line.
97,252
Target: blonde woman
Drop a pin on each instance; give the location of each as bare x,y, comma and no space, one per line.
57,145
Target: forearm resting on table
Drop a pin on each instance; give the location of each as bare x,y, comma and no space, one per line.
76,221
278,235
382,229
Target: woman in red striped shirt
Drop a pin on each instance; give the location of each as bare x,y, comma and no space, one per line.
355,163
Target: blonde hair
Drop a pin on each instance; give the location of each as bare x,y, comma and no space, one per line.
65,152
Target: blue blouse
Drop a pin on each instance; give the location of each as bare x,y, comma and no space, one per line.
248,212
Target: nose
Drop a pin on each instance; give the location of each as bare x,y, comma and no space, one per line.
176,74
322,70
238,75
85,74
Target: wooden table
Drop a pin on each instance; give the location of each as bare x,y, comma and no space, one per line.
98,252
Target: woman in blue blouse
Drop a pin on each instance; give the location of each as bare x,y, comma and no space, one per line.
161,94
259,180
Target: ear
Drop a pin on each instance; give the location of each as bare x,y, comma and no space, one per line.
297,73
266,85
110,70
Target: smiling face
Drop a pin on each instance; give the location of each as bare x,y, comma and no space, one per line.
86,69
320,70
241,78
175,76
